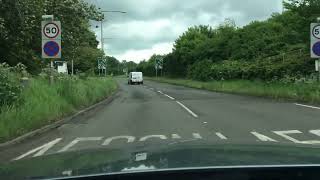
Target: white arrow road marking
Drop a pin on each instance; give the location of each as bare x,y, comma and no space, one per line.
285,135
40,150
262,137
169,96
74,142
303,105
130,139
221,136
153,136
187,109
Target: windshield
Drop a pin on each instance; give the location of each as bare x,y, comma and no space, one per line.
123,85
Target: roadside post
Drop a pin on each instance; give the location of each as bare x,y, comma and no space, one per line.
51,40
158,65
315,45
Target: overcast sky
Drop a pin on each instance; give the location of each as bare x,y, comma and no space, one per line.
152,26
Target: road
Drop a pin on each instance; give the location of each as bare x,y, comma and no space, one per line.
158,113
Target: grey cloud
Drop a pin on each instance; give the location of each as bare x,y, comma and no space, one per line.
133,31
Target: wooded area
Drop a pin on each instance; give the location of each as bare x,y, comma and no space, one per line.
20,32
269,50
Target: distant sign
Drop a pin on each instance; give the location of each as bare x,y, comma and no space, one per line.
102,64
51,39
315,40
159,63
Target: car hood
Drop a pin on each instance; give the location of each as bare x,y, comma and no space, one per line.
145,159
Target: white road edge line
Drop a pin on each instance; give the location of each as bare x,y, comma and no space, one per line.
189,111
313,107
169,96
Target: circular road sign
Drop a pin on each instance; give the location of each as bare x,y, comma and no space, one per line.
316,31
51,30
316,48
51,48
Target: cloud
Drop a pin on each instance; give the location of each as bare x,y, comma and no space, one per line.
152,26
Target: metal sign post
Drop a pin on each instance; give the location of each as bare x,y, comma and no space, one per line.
51,40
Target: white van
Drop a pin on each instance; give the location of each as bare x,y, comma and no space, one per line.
135,78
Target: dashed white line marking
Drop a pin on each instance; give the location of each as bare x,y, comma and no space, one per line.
205,122
303,105
221,136
169,96
129,139
196,135
160,92
262,137
163,137
187,109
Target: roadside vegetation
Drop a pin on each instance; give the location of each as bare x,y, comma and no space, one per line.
264,58
36,102
27,100
300,92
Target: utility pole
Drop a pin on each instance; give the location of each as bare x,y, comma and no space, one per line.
101,35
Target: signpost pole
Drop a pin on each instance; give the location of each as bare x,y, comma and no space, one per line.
318,68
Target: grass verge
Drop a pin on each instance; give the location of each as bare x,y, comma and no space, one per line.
42,104
302,92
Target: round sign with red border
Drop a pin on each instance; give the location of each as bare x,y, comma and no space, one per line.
51,48
51,30
316,32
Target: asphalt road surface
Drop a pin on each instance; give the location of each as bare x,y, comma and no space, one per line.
155,113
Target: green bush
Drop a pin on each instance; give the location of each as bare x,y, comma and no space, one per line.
10,86
266,69
200,70
43,103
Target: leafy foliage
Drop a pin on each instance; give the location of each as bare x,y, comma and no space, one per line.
10,86
272,49
20,39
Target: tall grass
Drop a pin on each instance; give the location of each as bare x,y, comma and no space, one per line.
42,103
303,92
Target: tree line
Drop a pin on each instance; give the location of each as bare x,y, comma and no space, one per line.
20,32
269,49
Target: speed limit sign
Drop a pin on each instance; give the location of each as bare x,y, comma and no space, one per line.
51,30
51,39
315,40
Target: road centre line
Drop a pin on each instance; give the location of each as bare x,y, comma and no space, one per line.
303,105
187,109
169,96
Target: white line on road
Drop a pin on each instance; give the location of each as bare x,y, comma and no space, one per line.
160,92
39,151
313,107
221,136
77,140
169,96
189,111
196,135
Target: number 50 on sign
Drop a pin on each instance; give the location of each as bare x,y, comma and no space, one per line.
315,40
